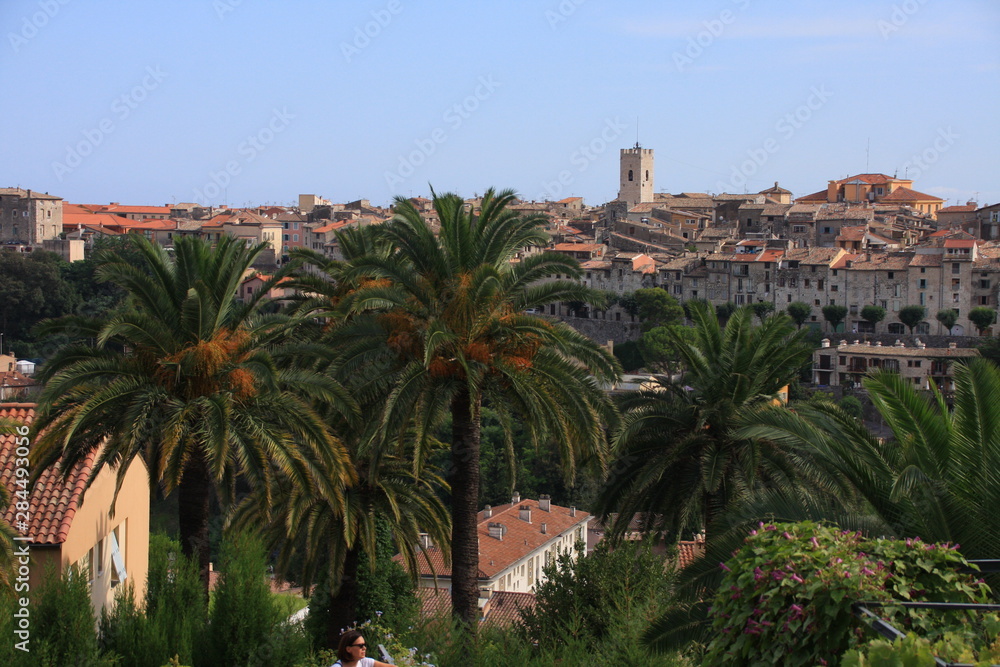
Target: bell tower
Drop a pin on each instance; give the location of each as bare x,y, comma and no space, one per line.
636,175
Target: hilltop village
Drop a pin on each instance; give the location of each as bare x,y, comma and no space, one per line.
863,239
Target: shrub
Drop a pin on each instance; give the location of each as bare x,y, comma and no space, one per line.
593,597
245,625
63,628
126,632
175,599
787,593
918,651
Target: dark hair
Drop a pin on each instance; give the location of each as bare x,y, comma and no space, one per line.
346,640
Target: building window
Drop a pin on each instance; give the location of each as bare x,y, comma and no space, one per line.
956,267
922,283
630,175
834,288
819,284
984,284
295,238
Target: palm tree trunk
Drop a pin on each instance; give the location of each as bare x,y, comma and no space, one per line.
344,605
193,499
465,432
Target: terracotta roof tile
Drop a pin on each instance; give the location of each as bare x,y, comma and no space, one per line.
52,502
520,539
907,195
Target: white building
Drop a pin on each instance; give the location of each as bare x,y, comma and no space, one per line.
516,541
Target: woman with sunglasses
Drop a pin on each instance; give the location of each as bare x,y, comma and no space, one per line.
351,652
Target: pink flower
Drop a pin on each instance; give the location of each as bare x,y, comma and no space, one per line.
797,579
724,567
815,542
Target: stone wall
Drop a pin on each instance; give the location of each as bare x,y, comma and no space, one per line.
601,331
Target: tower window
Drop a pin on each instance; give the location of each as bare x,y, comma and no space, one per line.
630,175
647,174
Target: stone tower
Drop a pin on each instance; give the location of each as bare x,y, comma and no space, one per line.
636,175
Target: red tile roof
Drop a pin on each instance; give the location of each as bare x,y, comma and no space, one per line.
959,243
820,196
907,195
520,539
688,551
502,610
966,208
52,503
871,179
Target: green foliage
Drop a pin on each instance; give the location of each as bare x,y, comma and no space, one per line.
724,311
63,631
990,349
947,317
676,461
852,406
126,632
762,309
915,651
245,627
657,308
590,598
787,593
873,314
799,311
834,314
983,317
911,316
629,356
629,304
32,289
175,600
659,346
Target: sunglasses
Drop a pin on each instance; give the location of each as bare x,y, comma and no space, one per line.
359,646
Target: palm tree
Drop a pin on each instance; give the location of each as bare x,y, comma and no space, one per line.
677,461
445,316
183,379
938,477
328,538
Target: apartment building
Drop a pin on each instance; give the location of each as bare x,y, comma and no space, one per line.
846,364
516,541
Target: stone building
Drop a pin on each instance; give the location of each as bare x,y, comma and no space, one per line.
847,364
28,217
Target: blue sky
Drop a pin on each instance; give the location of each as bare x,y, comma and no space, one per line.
249,102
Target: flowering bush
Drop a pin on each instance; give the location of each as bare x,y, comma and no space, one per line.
787,593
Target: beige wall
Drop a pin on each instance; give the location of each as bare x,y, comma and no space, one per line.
92,524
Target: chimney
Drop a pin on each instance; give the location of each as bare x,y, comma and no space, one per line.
488,512
525,513
515,499
496,530
952,346
843,343
545,529
572,511
545,503
825,342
